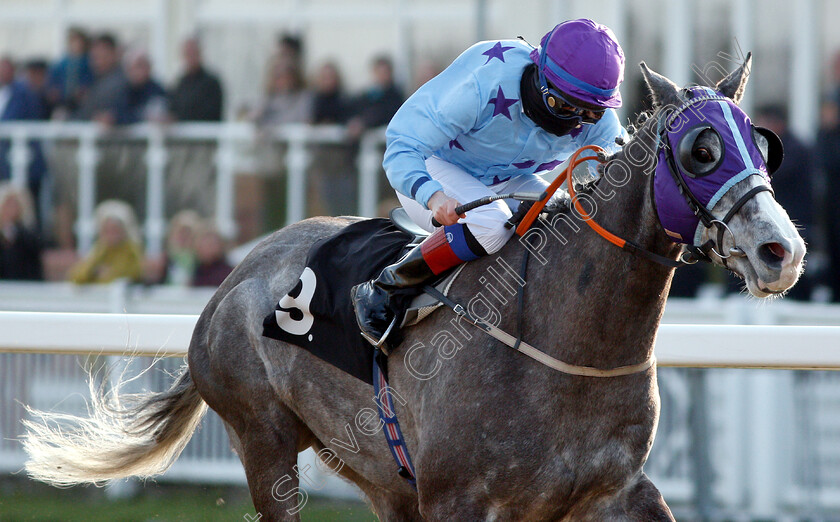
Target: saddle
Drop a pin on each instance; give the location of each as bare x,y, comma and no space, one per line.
399,217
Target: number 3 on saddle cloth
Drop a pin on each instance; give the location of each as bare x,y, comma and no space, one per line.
317,313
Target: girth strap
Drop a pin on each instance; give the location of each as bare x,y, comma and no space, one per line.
390,423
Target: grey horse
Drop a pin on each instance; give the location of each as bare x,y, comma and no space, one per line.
494,435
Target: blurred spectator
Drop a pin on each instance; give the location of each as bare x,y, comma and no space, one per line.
835,69
331,187
196,97
145,99
106,98
286,99
828,155
35,76
71,76
117,252
20,247
198,94
329,105
177,265
17,102
425,71
290,50
377,105
212,267
688,280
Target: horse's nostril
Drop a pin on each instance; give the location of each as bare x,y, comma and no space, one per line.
772,253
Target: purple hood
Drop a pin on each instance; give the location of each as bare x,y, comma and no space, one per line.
741,158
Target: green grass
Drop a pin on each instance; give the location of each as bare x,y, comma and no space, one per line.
26,501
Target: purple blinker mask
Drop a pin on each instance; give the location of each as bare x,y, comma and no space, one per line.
740,158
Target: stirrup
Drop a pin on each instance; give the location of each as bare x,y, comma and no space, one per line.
381,342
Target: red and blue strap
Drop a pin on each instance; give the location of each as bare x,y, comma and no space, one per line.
388,415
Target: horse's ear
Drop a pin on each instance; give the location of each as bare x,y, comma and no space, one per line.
664,91
734,84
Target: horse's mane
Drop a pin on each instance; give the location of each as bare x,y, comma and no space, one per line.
641,119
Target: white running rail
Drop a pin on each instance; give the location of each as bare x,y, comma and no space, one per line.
677,345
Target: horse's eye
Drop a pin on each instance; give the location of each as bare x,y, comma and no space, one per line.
702,155
700,151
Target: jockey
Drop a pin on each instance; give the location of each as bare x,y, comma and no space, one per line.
490,123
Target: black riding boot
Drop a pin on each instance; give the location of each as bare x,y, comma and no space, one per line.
375,301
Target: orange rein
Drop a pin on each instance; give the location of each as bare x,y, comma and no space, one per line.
574,161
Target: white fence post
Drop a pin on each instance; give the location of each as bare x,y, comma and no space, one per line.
156,158
297,159
19,159
87,157
804,91
369,162
225,186
764,455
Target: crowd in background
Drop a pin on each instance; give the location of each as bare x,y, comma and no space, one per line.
98,80
195,252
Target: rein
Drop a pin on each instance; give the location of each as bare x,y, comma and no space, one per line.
694,252
623,244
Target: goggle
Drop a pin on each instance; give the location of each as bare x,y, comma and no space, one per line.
566,110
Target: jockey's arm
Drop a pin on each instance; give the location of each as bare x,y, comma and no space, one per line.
439,111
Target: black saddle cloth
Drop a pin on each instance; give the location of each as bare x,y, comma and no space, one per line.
317,314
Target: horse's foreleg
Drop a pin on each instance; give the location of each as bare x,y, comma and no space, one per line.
643,502
639,501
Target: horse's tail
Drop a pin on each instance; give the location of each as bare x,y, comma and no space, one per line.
125,435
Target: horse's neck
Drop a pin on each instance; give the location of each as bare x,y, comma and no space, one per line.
611,301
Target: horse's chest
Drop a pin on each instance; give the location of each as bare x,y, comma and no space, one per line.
578,458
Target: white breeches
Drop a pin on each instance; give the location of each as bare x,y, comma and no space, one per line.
486,223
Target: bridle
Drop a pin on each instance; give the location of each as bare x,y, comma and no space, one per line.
692,253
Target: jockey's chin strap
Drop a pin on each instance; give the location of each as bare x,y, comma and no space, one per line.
624,244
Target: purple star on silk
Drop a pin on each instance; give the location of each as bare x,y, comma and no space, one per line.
524,164
501,104
497,51
454,143
497,180
548,166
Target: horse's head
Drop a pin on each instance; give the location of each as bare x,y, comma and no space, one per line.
712,182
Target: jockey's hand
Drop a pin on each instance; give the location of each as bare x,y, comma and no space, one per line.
443,208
